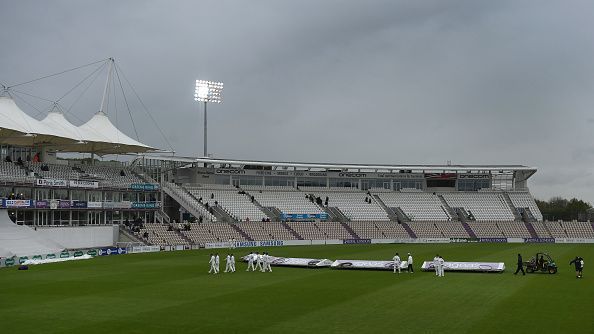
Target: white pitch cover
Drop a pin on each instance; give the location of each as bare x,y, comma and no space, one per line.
496,267
366,264
297,262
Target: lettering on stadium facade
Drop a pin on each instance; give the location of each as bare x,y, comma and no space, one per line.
352,175
474,176
230,171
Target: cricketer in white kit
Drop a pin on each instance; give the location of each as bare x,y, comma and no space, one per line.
212,264
397,263
251,259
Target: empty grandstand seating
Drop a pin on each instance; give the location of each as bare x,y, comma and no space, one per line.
578,229
513,229
378,230
114,177
158,234
556,229
266,230
288,202
11,172
307,230
354,207
484,206
541,230
452,229
485,229
212,232
572,229
189,201
51,171
418,206
523,199
239,206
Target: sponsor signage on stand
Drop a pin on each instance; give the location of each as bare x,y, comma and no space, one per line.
539,240
51,183
83,184
16,203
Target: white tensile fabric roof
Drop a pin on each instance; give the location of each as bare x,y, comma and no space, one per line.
98,135
104,138
18,128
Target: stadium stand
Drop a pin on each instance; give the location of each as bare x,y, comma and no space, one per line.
541,229
485,229
484,206
353,205
307,230
523,199
159,234
513,229
418,206
189,201
577,229
237,205
286,201
266,231
556,229
378,230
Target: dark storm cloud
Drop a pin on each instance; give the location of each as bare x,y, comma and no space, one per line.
345,81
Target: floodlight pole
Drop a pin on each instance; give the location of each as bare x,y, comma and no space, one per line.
205,133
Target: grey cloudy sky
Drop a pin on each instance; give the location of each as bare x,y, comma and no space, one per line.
473,82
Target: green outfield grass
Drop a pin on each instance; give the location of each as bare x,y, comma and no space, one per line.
172,293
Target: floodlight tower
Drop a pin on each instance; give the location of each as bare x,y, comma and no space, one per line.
208,91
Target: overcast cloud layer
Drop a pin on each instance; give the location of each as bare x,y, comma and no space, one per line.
473,82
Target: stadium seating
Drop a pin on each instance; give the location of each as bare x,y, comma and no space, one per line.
189,200
266,230
378,230
556,229
11,172
308,230
158,234
237,205
287,201
523,199
541,230
353,205
114,177
452,229
212,232
484,206
512,229
485,229
418,206
578,229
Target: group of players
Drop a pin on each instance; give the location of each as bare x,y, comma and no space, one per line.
398,263
259,261
214,263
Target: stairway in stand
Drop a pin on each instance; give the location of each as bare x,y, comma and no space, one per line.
468,230
292,231
242,232
411,233
531,229
350,230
